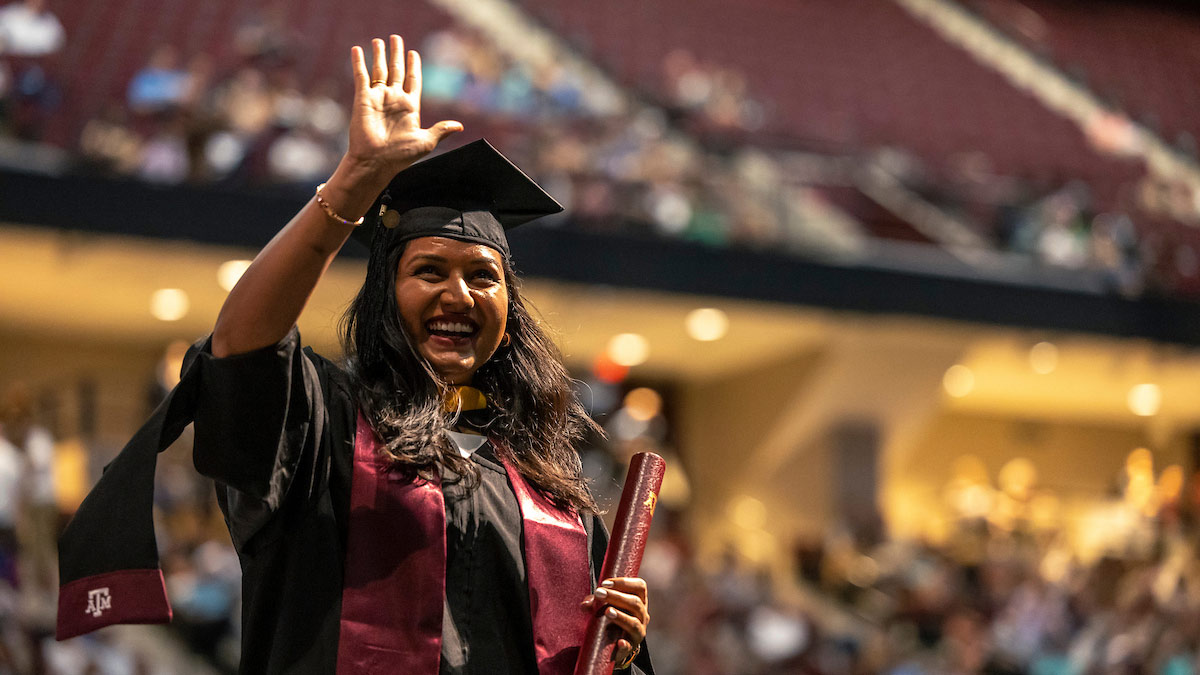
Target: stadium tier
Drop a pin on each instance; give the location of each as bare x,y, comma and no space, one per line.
109,42
719,89
842,76
1141,57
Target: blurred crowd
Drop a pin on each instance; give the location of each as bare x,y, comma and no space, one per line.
1058,222
257,124
988,600
651,169
1009,585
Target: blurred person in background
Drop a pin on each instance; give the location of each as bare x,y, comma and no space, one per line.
29,35
28,527
37,506
29,29
159,85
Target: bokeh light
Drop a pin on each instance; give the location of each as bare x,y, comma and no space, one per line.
1144,399
748,512
172,364
230,272
958,380
169,304
1043,358
643,403
628,349
707,324
1170,483
608,371
1017,477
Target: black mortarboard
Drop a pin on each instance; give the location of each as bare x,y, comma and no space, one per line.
472,193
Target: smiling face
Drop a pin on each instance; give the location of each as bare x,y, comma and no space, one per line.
453,300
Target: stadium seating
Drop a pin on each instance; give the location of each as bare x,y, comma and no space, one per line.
1139,57
847,76
103,48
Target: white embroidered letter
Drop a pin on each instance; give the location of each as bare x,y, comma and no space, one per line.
98,601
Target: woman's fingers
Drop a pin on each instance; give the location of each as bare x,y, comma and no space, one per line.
412,80
396,67
358,64
635,585
445,128
390,65
625,602
621,651
635,629
379,69
627,586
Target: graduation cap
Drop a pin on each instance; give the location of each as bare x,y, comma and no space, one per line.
472,194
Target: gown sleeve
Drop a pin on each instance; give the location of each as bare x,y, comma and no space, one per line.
260,429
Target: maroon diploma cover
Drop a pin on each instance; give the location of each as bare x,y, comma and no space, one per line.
624,557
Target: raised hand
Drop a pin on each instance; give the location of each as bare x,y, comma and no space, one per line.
385,120
385,137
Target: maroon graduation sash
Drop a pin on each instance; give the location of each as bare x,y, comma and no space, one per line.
556,569
395,571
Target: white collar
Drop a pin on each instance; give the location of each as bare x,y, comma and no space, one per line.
467,444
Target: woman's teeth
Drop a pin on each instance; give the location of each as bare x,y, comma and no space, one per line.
451,327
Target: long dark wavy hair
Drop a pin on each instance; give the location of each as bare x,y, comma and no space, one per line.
537,417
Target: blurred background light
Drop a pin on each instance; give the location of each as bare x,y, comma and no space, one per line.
1018,477
643,403
172,364
958,380
169,304
1170,483
1043,358
707,324
607,370
748,512
230,271
626,427
628,349
1139,462
1144,399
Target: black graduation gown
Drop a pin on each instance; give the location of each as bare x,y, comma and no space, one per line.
275,428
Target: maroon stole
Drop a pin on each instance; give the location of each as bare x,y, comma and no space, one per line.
395,571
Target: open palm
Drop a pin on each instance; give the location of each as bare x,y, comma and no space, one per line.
385,121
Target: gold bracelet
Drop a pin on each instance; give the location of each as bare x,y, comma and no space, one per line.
330,212
629,659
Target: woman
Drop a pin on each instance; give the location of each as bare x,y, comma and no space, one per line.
417,512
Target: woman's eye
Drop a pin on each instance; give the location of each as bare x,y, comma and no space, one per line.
425,270
486,275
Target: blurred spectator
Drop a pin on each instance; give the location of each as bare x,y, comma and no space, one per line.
108,144
299,155
164,157
245,102
32,501
10,491
29,34
264,34
6,95
28,532
29,29
160,84
38,508
710,94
